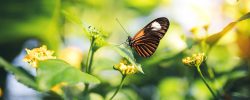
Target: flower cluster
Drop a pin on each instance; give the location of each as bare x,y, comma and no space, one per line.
125,68
98,36
38,54
93,32
194,60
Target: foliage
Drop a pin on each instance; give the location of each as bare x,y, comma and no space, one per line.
216,49
21,75
52,72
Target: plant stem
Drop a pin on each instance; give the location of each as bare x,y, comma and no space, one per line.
203,79
90,56
89,62
248,65
120,86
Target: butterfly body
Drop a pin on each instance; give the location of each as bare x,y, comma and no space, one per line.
146,41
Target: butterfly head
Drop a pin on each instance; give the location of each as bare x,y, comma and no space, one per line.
129,41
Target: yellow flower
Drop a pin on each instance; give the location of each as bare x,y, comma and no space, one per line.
58,87
199,32
1,92
206,27
38,54
126,69
195,30
72,55
194,60
187,61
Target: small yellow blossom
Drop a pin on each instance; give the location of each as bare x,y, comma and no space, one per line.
206,27
195,60
1,92
58,87
126,69
199,32
195,30
72,55
38,54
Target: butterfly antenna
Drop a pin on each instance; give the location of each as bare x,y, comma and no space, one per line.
122,26
120,44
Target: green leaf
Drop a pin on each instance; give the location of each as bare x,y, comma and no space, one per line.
237,74
244,17
54,71
126,53
211,40
74,19
20,74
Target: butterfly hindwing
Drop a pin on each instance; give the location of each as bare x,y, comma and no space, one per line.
146,46
146,41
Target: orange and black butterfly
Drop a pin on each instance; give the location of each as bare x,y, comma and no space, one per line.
146,41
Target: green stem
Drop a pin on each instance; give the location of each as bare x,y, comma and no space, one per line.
203,79
89,61
90,56
248,65
120,86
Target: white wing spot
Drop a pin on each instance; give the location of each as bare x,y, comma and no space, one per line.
156,26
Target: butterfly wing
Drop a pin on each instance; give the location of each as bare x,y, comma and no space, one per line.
146,41
146,46
156,27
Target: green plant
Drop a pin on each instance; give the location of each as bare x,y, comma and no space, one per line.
163,75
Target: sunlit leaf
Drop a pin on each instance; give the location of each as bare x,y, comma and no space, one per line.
20,74
54,71
214,38
72,18
89,31
75,19
244,17
126,53
211,40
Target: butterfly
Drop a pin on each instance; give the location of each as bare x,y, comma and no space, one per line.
146,41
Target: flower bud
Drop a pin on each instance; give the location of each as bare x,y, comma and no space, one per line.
194,60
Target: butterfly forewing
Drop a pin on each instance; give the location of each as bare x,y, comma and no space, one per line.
150,30
146,41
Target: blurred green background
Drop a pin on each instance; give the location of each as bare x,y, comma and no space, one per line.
165,78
